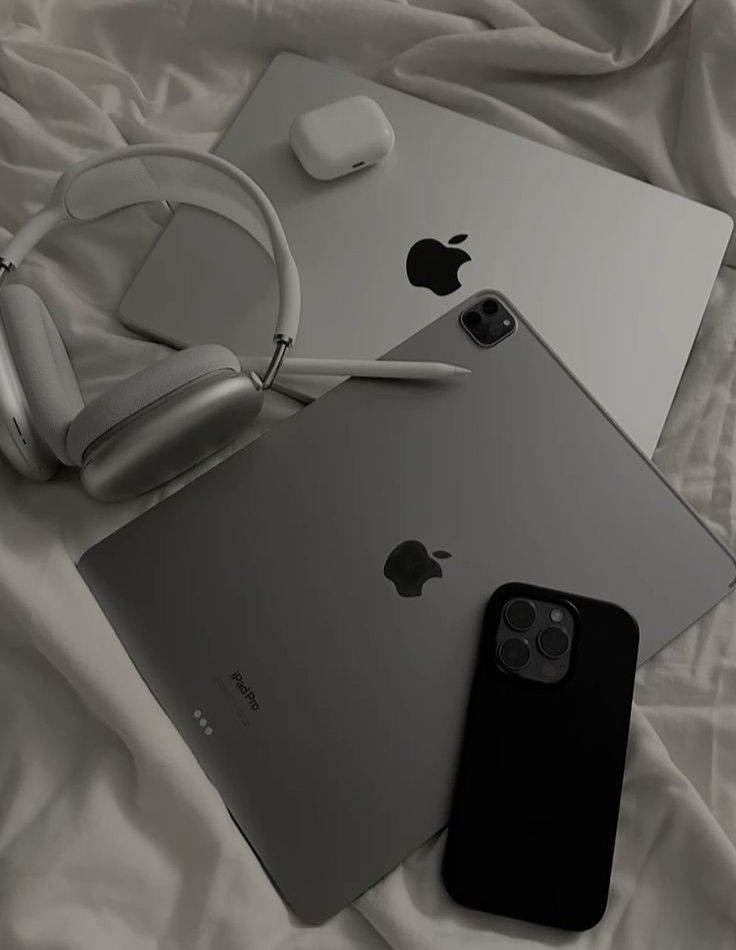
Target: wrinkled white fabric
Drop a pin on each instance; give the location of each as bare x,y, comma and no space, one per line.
110,834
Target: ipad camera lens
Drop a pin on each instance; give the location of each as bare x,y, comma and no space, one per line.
489,324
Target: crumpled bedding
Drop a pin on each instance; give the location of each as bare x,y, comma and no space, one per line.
110,834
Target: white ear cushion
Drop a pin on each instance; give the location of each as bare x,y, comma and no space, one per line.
142,390
43,365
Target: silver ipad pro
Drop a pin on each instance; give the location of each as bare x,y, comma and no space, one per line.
317,597
614,273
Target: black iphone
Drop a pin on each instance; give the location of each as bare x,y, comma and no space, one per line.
533,822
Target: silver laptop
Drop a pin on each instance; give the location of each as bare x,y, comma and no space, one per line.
614,273
307,612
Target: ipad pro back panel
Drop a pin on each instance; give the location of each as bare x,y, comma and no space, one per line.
258,596
613,272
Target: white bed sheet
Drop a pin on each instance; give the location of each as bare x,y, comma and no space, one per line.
110,835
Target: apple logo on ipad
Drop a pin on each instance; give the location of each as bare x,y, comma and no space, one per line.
432,264
409,565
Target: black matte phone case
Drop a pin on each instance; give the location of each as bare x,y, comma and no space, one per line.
534,816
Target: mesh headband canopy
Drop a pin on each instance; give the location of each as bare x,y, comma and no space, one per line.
149,173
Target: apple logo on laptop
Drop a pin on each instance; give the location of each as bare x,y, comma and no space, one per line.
432,264
409,565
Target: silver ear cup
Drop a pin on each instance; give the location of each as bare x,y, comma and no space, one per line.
19,441
170,436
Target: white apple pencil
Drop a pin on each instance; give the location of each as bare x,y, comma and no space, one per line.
383,369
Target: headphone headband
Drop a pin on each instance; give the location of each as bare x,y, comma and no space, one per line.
122,177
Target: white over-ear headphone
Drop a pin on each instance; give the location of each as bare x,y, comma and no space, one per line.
176,412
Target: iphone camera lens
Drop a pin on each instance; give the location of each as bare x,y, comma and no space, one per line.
520,614
554,642
514,653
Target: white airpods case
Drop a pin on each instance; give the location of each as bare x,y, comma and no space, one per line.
342,137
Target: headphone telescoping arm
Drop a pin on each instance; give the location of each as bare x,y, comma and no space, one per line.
105,183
